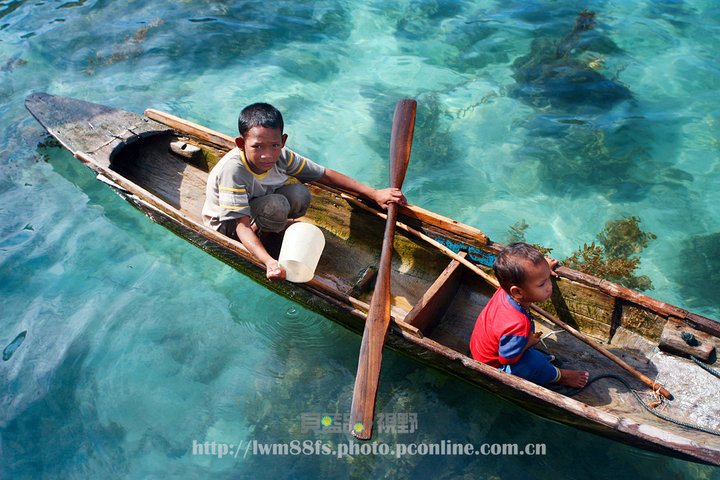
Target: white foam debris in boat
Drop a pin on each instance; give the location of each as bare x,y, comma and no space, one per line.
696,392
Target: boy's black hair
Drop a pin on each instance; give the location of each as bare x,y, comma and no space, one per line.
510,264
259,115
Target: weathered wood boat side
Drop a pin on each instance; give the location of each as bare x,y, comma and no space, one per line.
435,299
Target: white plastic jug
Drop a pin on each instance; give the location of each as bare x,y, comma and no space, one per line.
300,252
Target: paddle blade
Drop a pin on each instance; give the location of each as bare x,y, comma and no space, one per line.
401,140
367,378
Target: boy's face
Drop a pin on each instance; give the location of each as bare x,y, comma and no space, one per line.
537,286
262,147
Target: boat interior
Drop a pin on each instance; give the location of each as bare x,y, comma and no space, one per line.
435,295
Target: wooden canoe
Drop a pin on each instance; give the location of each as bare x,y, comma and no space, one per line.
435,299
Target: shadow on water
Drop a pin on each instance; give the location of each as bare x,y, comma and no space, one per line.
276,410
698,276
238,33
431,146
588,133
100,196
624,161
75,428
433,150
464,33
555,74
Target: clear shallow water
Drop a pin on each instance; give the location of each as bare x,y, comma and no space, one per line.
138,343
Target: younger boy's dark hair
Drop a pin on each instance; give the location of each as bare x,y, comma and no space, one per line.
509,266
259,115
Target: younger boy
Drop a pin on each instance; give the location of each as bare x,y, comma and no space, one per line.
503,334
248,192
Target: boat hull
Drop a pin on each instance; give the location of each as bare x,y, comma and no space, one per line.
109,141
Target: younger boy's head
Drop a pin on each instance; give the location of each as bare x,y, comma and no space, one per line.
523,272
261,136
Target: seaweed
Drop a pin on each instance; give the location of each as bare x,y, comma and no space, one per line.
516,233
48,143
127,50
615,260
586,132
469,35
435,153
623,238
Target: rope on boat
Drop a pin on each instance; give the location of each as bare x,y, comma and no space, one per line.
642,402
711,371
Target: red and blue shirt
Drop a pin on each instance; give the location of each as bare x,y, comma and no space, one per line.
501,331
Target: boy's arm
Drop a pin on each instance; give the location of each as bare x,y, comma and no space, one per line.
515,340
251,241
512,347
382,197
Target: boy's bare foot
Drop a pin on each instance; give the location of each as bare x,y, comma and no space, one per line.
573,378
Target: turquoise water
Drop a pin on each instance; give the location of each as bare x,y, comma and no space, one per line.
139,346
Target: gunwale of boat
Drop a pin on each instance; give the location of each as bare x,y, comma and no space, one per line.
434,317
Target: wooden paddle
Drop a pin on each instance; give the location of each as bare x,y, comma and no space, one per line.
492,281
378,319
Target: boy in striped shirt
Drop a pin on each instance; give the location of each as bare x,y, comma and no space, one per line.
248,191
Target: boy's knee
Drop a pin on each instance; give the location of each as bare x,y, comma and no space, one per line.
270,212
298,197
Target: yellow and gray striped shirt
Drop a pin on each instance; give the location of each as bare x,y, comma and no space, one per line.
232,184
